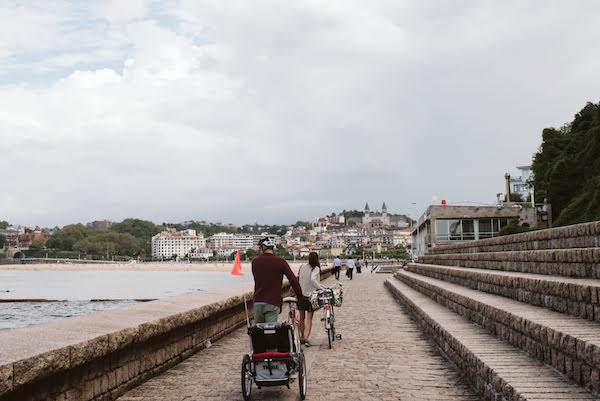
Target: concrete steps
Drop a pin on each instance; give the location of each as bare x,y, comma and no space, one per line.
495,368
586,235
574,296
568,344
574,262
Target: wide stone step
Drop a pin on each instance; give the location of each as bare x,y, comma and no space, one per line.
569,344
586,235
577,262
497,370
574,296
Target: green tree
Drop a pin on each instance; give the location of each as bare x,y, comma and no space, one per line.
352,213
3,224
2,240
111,243
567,166
516,197
140,229
38,243
283,253
252,253
513,227
304,224
65,238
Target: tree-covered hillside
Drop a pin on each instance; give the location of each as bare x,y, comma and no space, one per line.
567,168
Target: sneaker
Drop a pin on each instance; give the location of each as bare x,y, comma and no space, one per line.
306,343
302,341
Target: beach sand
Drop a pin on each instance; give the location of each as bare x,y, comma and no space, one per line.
165,266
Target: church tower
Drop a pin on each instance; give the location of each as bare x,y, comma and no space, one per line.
384,216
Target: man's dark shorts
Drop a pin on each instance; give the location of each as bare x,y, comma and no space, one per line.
304,305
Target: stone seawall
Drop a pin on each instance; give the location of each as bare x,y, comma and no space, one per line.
586,235
100,356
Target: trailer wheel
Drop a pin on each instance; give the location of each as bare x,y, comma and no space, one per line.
246,378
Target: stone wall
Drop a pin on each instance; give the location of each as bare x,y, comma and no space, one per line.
578,359
100,356
572,297
574,262
586,235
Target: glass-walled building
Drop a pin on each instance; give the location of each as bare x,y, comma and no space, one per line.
447,224
450,230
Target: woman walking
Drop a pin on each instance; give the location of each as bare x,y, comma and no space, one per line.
309,276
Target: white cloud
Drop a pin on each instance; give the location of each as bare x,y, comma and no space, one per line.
270,111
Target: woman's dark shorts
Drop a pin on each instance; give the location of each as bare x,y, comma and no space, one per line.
304,305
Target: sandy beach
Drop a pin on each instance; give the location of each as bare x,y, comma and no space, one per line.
165,266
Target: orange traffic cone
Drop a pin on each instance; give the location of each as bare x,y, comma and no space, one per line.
237,266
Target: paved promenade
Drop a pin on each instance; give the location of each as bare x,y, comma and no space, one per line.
383,356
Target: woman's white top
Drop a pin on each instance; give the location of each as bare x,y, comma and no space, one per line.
309,279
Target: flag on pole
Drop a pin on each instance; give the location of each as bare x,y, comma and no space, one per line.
237,266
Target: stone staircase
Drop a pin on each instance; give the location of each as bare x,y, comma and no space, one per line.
519,315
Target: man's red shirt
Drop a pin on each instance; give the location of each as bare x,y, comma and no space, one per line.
268,271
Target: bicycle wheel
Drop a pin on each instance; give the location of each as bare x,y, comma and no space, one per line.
329,337
332,323
333,330
302,380
246,378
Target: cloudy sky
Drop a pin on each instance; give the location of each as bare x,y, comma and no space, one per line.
275,111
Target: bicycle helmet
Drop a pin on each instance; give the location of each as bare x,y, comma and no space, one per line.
269,242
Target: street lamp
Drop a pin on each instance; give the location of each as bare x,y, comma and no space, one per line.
417,220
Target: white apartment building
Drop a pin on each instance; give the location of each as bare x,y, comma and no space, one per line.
233,241
354,236
201,253
221,241
401,237
172,242
245,241
226,252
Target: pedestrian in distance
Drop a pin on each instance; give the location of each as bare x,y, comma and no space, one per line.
268,270
350,267
309,276
373,265
337,266
358,265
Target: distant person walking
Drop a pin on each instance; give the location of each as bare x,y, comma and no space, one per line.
372,265
309,276
337,266
350,267
358,265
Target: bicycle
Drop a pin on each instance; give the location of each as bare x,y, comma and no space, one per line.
327,299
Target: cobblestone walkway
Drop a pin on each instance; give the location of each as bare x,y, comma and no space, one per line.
383,356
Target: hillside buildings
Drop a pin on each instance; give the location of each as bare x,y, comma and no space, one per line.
187,243
172,242
373,220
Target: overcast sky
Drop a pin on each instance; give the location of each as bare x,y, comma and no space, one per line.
276,111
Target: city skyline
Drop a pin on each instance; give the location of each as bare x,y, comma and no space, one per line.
103,220
276,112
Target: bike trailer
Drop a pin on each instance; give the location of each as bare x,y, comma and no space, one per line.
271,347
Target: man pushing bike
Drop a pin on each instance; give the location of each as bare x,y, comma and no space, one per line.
268,270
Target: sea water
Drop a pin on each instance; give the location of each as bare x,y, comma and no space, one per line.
71,293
